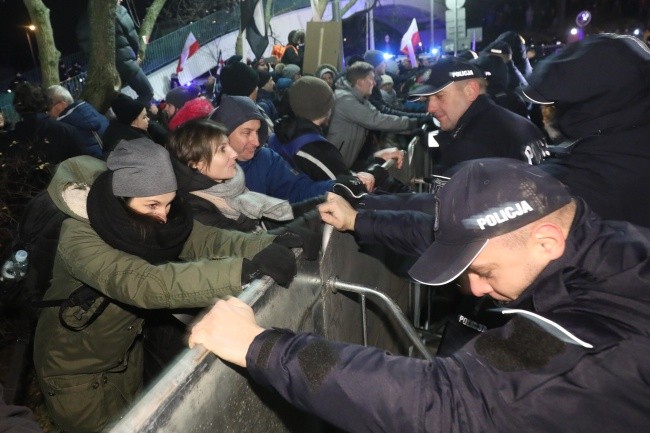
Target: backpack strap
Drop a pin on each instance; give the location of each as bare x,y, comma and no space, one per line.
290,149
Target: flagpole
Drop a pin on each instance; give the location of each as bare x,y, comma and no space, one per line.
431,17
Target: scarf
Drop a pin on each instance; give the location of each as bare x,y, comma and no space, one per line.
232,198
137,234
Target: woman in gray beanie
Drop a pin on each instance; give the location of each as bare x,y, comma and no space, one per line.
130,247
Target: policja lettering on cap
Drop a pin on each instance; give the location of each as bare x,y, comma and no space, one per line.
502,215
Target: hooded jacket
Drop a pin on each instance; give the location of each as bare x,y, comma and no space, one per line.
605,112
89,377
519,377
353,116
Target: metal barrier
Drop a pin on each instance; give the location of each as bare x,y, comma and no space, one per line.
199,393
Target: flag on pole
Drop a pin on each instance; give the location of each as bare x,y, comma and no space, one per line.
191,46
410,41
252,20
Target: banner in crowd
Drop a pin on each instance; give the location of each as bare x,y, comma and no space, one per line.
252,21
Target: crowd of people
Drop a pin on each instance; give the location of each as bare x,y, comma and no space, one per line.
171,206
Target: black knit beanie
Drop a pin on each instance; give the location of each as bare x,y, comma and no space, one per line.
311,98
238,79
126,109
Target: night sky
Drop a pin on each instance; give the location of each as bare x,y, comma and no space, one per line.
14,49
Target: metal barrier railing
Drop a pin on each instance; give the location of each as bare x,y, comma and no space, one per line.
335,285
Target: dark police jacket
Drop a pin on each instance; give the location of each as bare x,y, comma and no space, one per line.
515,378
487,130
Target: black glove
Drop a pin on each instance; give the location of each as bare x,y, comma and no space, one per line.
276,261
350,188
380,173
305,206
310,240
426,121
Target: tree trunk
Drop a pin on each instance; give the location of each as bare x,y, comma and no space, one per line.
103,81
48,55
148,23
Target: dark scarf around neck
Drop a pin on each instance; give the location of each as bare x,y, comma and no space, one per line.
134,234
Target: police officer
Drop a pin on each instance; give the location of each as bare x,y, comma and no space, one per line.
573,356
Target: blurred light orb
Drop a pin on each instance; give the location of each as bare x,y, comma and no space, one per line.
583,18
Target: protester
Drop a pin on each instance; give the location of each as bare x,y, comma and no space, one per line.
328,73
213,184
129,247
574,285
353,115
471,125
299,137
80,114
176,99
266,95
39,134
131,122
266,172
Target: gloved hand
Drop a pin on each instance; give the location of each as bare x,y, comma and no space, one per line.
305,206
309,240
380,173
426,121
350,188
276,261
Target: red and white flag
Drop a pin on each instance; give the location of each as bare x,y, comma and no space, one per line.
191,46
410,41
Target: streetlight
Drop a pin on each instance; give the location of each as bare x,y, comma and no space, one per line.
32,28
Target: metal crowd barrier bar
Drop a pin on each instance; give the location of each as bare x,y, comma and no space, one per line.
335,285
199,393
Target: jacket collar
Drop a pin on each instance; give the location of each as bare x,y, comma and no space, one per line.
481,104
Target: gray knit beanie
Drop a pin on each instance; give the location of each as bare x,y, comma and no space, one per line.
374,57
235,110
311,98
290,71
141,168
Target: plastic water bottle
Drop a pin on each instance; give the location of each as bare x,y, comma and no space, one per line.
15,268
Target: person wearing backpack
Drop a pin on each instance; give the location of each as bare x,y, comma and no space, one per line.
299,138
130,246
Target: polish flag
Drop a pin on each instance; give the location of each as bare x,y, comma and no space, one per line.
191,46
410,41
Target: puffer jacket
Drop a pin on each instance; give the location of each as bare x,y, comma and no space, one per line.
88,377
89,121
353,116
126,43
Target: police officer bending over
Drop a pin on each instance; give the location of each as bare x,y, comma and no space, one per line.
572,358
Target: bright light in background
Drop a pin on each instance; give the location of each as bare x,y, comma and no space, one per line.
637,32
420,44
31,27
388,56
574,31
434,51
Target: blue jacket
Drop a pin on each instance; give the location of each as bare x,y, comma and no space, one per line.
519,377
268,173
89,122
